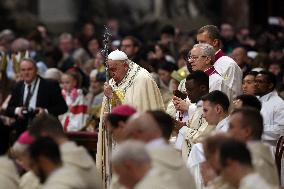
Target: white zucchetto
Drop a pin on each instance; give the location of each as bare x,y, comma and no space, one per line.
117,55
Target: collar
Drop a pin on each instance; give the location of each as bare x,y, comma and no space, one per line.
219,54
210,71
199,104
268,96
248,178
156,143
222,123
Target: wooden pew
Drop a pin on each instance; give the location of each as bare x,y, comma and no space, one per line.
87,139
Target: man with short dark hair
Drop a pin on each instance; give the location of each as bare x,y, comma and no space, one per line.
216,109
132,48
165,122
272,106
216,112
224,65
73,156
246,125
46,163
247,100
34,96
237,168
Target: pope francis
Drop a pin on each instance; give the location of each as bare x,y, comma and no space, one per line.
129,84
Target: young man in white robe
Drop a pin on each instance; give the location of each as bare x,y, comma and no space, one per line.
272,107
73,156
237,168
46,163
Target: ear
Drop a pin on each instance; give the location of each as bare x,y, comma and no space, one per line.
126,66
270,86
203,88
209,61
215,43
247,132
121,124
230,162
218,108
42,162
136,49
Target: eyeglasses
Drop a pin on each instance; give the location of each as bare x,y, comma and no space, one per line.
192,57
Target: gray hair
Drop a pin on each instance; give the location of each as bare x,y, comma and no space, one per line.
131,150
65,36
207,50
20,45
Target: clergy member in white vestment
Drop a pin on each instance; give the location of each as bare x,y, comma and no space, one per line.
133,164
129,84
20,151
191,132
216,112
73,156
202,58
210,168
149,128
246,125
46,163
224,65
9,177
272,107
237,168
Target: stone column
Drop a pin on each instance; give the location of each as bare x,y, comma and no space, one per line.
58,15
236,12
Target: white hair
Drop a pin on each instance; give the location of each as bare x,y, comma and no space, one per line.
131,150
207,50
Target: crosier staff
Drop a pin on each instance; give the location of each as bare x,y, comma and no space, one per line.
107,144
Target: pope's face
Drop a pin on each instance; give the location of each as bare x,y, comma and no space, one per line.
117,69
28,71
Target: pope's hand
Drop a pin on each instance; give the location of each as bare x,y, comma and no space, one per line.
107,90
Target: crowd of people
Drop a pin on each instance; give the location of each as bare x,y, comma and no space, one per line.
202,111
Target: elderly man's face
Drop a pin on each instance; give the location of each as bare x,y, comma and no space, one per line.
117,69
198,61
28,71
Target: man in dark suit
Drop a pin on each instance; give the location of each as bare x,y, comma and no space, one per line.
33,96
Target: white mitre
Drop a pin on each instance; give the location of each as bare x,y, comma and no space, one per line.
117,55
